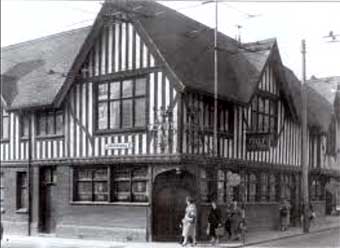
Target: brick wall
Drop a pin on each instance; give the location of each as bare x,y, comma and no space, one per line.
96,221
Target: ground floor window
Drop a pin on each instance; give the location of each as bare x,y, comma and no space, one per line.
316,190
110,184
22,194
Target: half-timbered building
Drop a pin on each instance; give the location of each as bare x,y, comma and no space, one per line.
106,129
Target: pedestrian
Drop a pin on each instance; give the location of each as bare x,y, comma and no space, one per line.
284,209
189,222
227,223
214,222
236,219
312,214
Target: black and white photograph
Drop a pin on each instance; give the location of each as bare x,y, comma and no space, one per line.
170,123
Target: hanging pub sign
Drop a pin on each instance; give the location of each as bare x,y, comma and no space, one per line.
258,141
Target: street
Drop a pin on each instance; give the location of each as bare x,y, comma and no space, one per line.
330,238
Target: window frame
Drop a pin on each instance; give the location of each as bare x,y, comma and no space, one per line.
46,115
5,114
21,188
120,99
113,196
261,114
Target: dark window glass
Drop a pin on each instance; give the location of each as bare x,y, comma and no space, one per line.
22,190
24,122
91,184
140,112
50,123
264,114
128,184
4,124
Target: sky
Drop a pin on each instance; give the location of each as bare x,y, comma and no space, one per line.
289,23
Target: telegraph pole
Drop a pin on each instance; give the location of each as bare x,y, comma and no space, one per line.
304,164
215,79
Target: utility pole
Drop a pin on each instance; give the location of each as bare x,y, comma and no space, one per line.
215,79
304,164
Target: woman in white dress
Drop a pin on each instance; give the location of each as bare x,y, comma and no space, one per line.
189,222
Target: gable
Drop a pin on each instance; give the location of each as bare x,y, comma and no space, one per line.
117,48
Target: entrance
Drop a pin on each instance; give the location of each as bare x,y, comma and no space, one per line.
47,202
170,190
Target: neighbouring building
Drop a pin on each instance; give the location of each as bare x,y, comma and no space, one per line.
106,129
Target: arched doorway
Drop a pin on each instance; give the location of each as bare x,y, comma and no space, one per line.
169,192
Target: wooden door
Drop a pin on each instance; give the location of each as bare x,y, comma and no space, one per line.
47,200
169,205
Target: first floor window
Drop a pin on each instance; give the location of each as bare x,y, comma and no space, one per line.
50,123
22,193
24,122
121,104
106,184
4,124
264,114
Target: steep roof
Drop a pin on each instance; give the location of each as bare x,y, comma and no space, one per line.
319,109
43,67
33,72
187,47
326,87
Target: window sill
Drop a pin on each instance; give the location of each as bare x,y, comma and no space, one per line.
123,130
59,136
22,211
137,204
4,140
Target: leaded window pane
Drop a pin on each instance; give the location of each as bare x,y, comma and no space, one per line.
140,112
50,123
5,128
115,90
102,91
140,86
42,124
59,123
102,115
126,113
114,115
139,187
127,88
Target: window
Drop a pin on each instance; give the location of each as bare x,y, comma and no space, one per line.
252,188
225,120
130,185
24,126
2,192
110,184
121,104
50,123
4,124
264,114
22,193
91,184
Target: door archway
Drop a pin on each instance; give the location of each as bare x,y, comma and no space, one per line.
169,193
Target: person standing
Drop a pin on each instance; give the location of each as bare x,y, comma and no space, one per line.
189,222
227,223
236,219
284,209
214,221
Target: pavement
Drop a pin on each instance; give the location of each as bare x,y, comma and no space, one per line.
254,238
